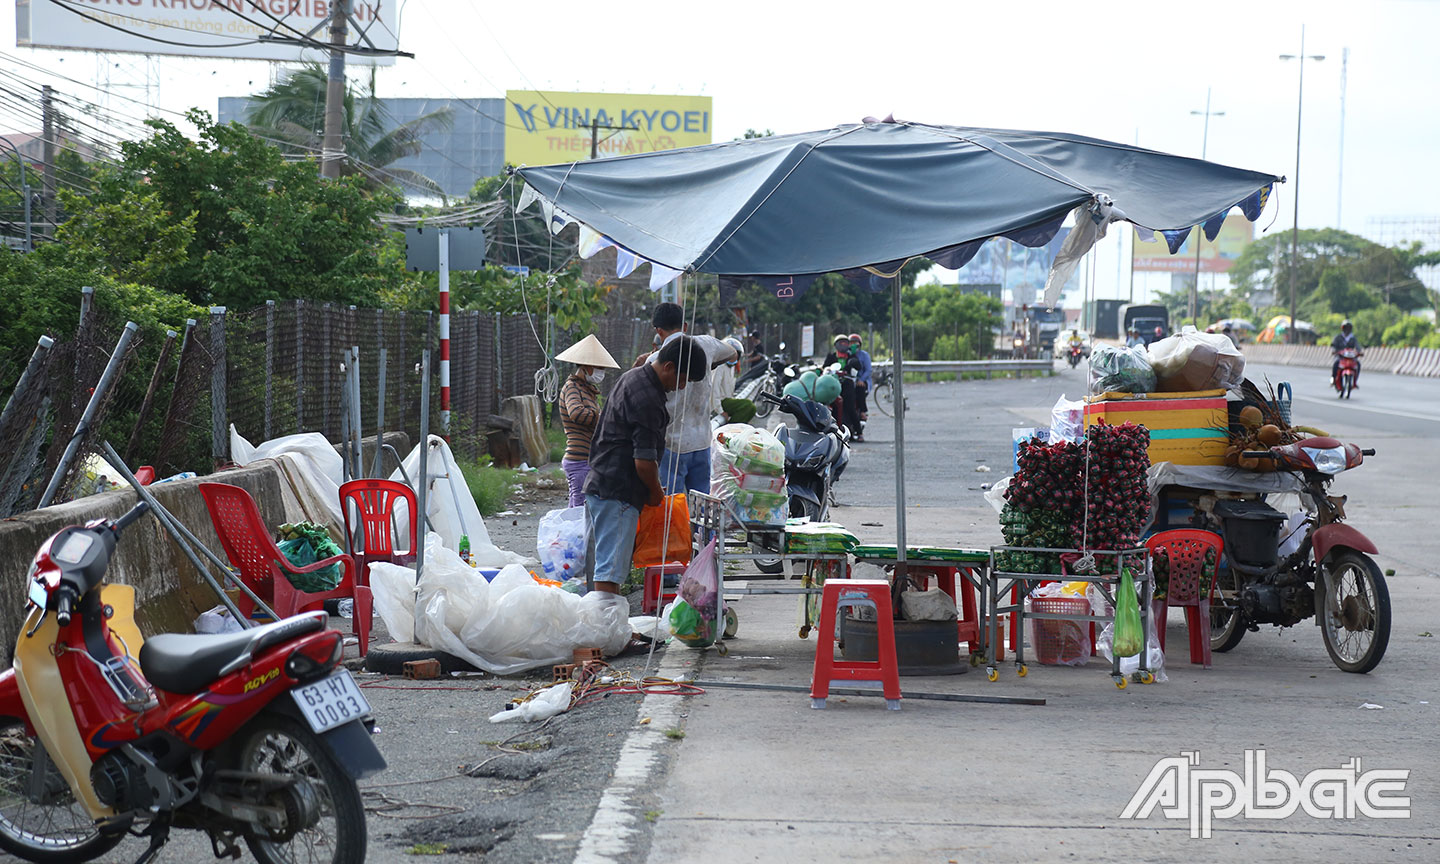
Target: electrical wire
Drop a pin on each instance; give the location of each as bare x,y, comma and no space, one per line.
71,7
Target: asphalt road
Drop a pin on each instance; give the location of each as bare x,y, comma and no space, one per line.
762,777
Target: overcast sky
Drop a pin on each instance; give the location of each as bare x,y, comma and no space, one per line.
1124,71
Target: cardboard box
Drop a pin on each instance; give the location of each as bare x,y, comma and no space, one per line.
1186,428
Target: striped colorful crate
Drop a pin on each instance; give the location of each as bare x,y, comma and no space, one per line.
1185,428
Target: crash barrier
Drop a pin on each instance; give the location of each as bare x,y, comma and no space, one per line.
1423,362
988,367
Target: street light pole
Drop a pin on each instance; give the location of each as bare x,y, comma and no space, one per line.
1200,229
1295,193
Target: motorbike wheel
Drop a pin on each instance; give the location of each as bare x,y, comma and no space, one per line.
1227,625
1354,611
1347,384
279,745
765,408
54,830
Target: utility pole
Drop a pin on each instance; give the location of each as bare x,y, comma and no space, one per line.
332,148
595,127
47,137
1293,331
1200,229
1340,182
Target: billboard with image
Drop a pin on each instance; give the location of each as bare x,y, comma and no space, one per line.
543,128
1219,256
234,29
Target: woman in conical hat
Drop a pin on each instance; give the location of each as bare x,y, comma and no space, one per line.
580,409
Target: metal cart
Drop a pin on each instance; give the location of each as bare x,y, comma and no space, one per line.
1001,583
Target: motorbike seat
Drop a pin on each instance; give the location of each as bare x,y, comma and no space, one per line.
188,663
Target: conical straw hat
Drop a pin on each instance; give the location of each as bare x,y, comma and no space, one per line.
588,352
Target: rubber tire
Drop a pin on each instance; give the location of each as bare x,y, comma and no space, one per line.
86,850
347,808
1349,384
1381,639
884,399
1234,632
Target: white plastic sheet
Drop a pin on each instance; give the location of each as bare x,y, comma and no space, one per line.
505,626
310,458
450,508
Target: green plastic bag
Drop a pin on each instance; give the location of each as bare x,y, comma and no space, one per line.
684,621
304,544
1129,635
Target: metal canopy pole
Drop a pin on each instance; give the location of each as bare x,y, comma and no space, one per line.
422,478
37,358
83,427
897,383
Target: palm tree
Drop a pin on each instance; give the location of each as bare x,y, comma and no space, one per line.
292,112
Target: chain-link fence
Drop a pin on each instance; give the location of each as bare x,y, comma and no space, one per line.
275,370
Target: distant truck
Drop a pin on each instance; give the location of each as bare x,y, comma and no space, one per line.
1105,319
1048,323
1145,317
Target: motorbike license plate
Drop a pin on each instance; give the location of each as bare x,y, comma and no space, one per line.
331,702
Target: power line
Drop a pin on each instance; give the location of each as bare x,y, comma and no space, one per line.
69,7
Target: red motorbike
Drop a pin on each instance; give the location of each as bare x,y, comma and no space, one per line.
1324,570
1347,367
251,735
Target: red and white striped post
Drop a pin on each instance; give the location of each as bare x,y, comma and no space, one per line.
444,333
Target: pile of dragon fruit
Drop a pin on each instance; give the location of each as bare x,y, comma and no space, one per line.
1047,501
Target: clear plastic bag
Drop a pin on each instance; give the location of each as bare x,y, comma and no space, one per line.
1057,643
697,617
1122,370
1067,420
1191,360
560,543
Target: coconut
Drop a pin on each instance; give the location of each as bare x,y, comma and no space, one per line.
1269,435
1251,417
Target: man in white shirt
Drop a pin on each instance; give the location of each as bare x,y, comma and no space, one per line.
685,464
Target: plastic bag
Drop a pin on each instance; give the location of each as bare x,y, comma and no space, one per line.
217,620
1190,360
393,590
549,702
510,624
560,543
1067,420
699,593
754,450
1120,369
995,495
1154,656
304,544
1129,635
653,543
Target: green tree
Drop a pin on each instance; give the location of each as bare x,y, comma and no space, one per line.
1382,272
260,227
292,113
1408,332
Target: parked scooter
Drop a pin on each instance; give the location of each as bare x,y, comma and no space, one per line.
769,377
1329,573
1346,369
249,735
816,453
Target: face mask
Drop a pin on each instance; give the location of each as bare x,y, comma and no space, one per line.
656,341
596,377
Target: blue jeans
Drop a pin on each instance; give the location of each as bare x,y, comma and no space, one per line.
611,526
685,471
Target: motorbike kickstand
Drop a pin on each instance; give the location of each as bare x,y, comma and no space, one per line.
159,834
224,844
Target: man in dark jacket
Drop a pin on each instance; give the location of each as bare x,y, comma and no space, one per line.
625,455
1345,339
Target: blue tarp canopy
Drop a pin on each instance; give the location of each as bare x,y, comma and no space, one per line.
877,193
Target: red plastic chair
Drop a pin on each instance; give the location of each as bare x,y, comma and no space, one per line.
261,564
374,503
1186,550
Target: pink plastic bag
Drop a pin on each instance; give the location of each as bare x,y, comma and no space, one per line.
698,614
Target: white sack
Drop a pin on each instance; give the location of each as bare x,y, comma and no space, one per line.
314,460
513,623
450,507
393,589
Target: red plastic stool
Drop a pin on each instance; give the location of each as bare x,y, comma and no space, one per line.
840,594
655,596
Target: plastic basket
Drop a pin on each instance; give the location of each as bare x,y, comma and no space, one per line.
1060,643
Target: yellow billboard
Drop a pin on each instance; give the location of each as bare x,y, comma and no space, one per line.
543,128
1236,233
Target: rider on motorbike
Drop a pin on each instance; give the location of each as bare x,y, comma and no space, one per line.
842,355
862,375
1345,339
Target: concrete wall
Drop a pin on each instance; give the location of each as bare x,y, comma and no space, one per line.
1424,362
169,593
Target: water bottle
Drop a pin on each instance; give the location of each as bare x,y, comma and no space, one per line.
465,549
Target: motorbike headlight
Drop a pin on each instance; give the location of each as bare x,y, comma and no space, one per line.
1329,460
